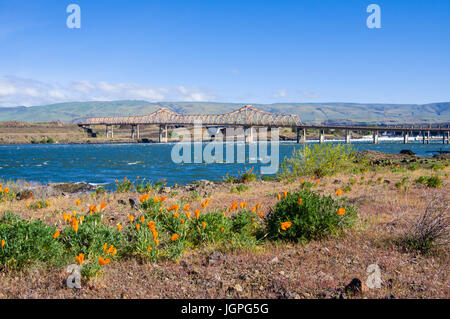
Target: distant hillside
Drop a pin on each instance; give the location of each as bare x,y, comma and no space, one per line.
311,113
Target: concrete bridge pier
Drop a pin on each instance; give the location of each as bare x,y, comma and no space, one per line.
321,136
249,134
348,137
109,131
445,137
375,137
301,138
163,134
405,137
426,137
135,132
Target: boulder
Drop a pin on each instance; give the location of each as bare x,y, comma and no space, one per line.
72,188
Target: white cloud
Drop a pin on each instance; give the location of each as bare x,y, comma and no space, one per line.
281,93
16,91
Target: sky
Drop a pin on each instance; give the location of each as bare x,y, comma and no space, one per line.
242,51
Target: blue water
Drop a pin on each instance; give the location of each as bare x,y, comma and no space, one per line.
104,163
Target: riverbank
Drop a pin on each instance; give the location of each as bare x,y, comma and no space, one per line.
387,198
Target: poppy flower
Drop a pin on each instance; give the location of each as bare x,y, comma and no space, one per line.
300,200
279,196
204,225
138,226
75,226
174,237
197,213
222,229
105,246
80,259
341,211
119,227
3,243
102,205
131,218
260,214
187,207
142,219
339,192
176,215
285,194
188,215
258,205
286,225
56,234
103,261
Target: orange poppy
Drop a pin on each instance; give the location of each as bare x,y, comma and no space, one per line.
80,259
119,227
339,192
102,205
286,225
174,237
197,213
102,261
341,211
56,234
300,201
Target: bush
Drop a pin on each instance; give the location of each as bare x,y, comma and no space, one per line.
320,160
144,187
91,237
429,181
306,215
430,229
248,176
239,188
26,242
124,186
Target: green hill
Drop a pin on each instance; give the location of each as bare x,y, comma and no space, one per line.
311,113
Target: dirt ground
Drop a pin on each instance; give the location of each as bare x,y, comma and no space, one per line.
318,269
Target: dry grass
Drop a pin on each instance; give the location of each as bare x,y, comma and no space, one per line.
316,269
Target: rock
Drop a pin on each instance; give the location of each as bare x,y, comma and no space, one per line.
25,194
275,260
165,190
72,188
354,287
215,258
238,288
134,203
407,152
386,181
122,202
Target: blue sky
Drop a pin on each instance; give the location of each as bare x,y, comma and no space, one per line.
242,51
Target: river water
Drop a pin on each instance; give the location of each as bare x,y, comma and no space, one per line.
103,163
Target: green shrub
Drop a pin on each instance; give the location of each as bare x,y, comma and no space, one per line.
124,186
248,176
239,188
268,178
100,190
320,160
316,216
144,187
28,242
91,236
429,181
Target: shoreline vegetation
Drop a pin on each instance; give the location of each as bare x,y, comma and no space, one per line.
310,232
